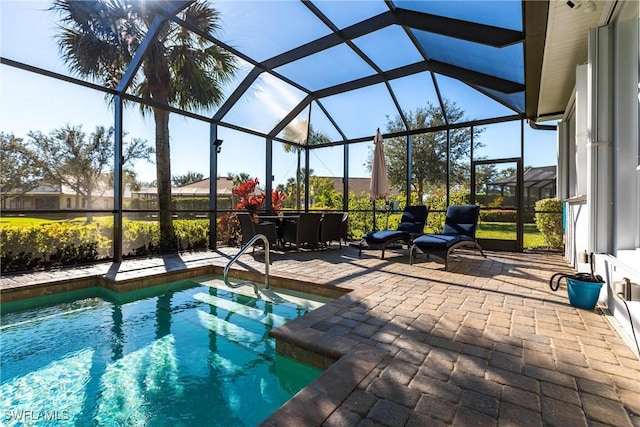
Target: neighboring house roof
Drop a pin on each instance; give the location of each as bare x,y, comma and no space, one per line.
44,190
195,189
538,177
201,188
98,192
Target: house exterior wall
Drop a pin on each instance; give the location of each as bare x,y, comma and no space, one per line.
599,150
54,202
573,169
31,201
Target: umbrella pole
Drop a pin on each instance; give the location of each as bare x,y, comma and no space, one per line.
373,201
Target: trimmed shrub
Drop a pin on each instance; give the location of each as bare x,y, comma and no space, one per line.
192,234
56,244
140,238
143,203
61,243
549,221
360,216
197,204
143,237
190,203
437,201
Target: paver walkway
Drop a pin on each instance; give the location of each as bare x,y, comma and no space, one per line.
486,343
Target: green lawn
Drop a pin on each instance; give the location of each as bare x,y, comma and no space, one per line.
23,221
507,231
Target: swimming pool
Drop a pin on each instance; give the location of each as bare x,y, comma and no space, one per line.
192,352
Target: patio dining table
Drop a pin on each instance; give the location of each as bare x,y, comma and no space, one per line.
279,220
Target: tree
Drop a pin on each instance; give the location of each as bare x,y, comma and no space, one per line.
186,179
510,171
429,150
70,157
240,178
295,187
131,179
19,175
99,38
303,134
324,194
485,176
507,172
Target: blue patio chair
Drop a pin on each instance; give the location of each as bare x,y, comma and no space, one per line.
459,231
411,225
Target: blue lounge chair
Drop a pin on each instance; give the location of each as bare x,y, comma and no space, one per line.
459,231
411,225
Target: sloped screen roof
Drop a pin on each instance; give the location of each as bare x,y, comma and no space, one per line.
344,67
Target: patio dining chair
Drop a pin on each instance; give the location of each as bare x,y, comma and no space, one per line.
249,228
344,227
461,223
411,225
304,231
330,228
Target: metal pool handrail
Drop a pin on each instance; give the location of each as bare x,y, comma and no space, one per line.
243,250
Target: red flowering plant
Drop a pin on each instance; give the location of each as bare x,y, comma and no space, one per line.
248,199
251,201
277,198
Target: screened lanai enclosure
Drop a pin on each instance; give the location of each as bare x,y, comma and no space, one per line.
172,94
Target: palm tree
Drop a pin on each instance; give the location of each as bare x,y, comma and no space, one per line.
240,178
98,40
297,132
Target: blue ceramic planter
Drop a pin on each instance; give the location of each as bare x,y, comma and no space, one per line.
583,294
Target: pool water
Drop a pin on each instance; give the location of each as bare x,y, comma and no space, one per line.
188,353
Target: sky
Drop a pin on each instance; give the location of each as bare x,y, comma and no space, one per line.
29,102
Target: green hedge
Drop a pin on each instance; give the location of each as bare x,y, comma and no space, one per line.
179,203
64,244
549,221
28,248
142,237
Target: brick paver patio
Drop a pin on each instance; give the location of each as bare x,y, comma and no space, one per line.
486,343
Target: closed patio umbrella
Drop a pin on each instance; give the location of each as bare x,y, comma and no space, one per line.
379,186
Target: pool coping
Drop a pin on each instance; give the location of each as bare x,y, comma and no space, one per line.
23,291
346,362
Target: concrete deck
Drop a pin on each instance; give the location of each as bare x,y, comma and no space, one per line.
486,343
